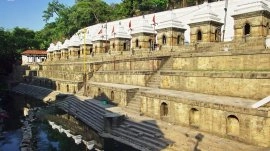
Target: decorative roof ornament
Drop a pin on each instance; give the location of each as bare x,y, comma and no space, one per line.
251,6
143,27
120,32
75,40
205,14
172,23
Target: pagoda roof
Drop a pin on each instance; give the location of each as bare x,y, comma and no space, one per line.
173,22
205,14
75,40
65,44
143,27
85,36
120,32
251,6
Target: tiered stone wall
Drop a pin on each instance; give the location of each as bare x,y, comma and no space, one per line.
241,75
236,69
132,72
130,78
132,65
249,124
113,93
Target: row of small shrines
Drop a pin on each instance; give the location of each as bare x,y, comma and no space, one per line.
251,24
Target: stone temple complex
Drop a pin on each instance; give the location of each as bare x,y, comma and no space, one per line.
194,78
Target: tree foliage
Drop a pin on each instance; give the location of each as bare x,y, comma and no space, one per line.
13,42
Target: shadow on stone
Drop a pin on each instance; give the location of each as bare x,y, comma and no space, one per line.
199,138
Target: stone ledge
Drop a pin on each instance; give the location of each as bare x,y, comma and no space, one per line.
115,86
221,53
219,74
66,81
224,103
127,72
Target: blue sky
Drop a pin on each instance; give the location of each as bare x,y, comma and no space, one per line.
28,13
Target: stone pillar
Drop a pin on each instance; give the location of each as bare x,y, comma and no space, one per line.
251,20
208,31
142,40
64,53
73,51
57,55
88,49
250,25
119,44
170,36
99,46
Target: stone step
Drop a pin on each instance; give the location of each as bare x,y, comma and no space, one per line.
132,111
132,138
160,140
156,142
134,102
153,83
90,117
144,127
85,105
88,120
79,108
135,108
156,77
149,138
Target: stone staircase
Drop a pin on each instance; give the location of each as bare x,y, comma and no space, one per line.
134,104
145,135
37,92
168,64
80,92
154,81
88,111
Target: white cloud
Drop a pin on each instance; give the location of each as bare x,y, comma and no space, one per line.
10,0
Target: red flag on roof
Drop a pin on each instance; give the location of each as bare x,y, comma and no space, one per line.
154,19
129,24
100,32
113,30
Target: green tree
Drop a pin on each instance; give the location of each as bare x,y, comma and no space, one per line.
54,7
13,42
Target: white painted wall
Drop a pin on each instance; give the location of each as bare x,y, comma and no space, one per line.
29,60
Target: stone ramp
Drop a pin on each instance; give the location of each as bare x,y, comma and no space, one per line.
37,92
89,111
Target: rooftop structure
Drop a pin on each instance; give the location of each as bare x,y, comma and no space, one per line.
33,56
